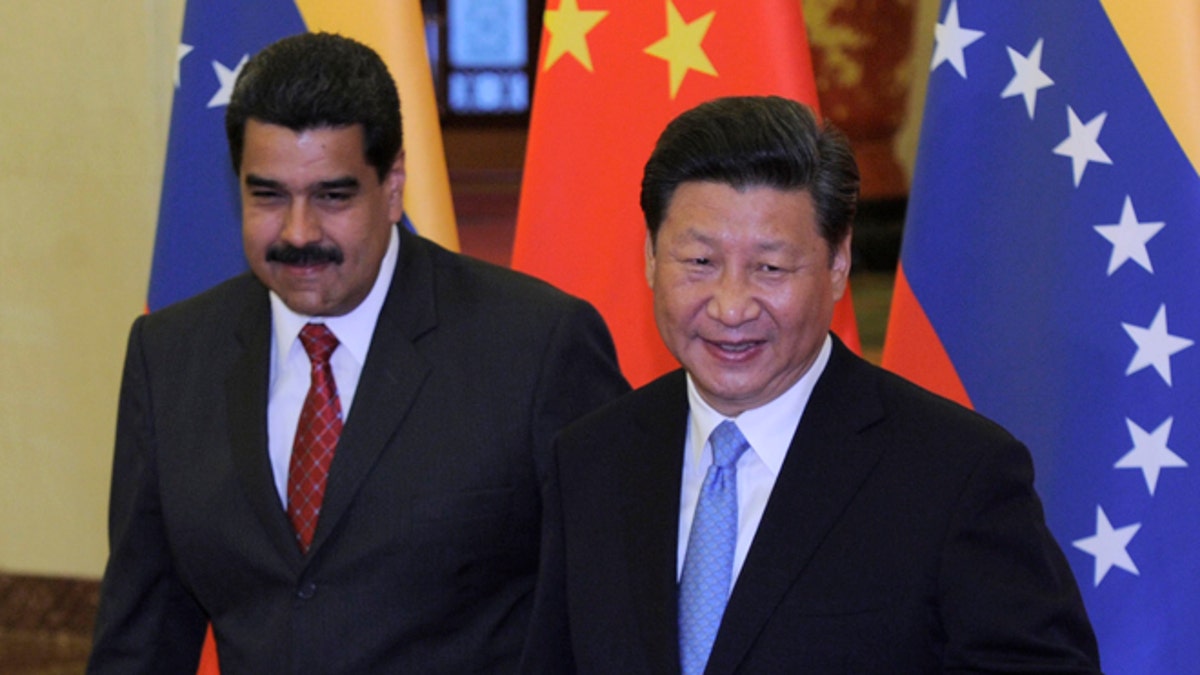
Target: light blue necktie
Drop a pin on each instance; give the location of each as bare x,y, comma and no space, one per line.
708,563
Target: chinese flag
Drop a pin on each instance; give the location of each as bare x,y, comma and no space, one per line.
610,77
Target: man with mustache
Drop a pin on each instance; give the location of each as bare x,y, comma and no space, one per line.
334,459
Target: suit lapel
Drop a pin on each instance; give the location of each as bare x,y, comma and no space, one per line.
652,518
246,396
824,469
391,379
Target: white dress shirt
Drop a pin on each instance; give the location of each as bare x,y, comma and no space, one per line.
291,370
769,430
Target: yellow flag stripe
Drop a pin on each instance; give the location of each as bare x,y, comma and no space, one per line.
1163,40
395,29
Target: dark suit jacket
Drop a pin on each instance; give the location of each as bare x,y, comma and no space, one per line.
903,535
425,554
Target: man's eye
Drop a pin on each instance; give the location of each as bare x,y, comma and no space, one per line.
334,196
702,262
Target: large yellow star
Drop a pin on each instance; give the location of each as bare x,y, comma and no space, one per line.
681,46
568,27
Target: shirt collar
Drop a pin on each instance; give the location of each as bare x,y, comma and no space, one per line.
768,428
353,329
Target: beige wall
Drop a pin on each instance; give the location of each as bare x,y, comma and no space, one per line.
85,94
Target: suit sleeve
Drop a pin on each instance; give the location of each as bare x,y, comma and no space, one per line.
548,644
579,373
1009,600
147,621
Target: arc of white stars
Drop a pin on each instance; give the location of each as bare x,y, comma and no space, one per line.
1129,239
181,51
1155,346
1028,76
952,39
1150,452
1082,144
227,78
1108,546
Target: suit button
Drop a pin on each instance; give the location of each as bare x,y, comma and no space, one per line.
307,591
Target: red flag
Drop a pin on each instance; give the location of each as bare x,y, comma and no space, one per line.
610,77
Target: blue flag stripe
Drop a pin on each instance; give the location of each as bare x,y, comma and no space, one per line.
1002,249
199,224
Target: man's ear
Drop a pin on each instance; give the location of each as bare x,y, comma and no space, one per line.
393,185
839,268
650,260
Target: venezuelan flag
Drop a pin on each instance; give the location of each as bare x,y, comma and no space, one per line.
1049,278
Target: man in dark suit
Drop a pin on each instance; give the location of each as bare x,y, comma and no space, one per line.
383,517
781,505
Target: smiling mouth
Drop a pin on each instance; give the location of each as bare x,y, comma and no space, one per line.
739,347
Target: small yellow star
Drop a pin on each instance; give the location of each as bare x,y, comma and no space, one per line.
681,46
568,27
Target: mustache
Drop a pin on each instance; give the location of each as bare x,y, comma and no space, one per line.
311,254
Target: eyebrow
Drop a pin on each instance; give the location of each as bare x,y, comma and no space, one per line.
343,183
338,183
258,181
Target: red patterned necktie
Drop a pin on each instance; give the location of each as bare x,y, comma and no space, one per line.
316,436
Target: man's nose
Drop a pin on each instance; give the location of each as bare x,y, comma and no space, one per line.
733,301
300,226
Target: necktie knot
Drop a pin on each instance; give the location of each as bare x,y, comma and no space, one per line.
728,444
319,342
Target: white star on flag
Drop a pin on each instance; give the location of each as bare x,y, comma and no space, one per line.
952,39
1155,346
227,78
181,51
1150,452
1108,546
1028,77
1129,239
1081,144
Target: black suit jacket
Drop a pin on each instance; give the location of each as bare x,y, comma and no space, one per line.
903,535
425,554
